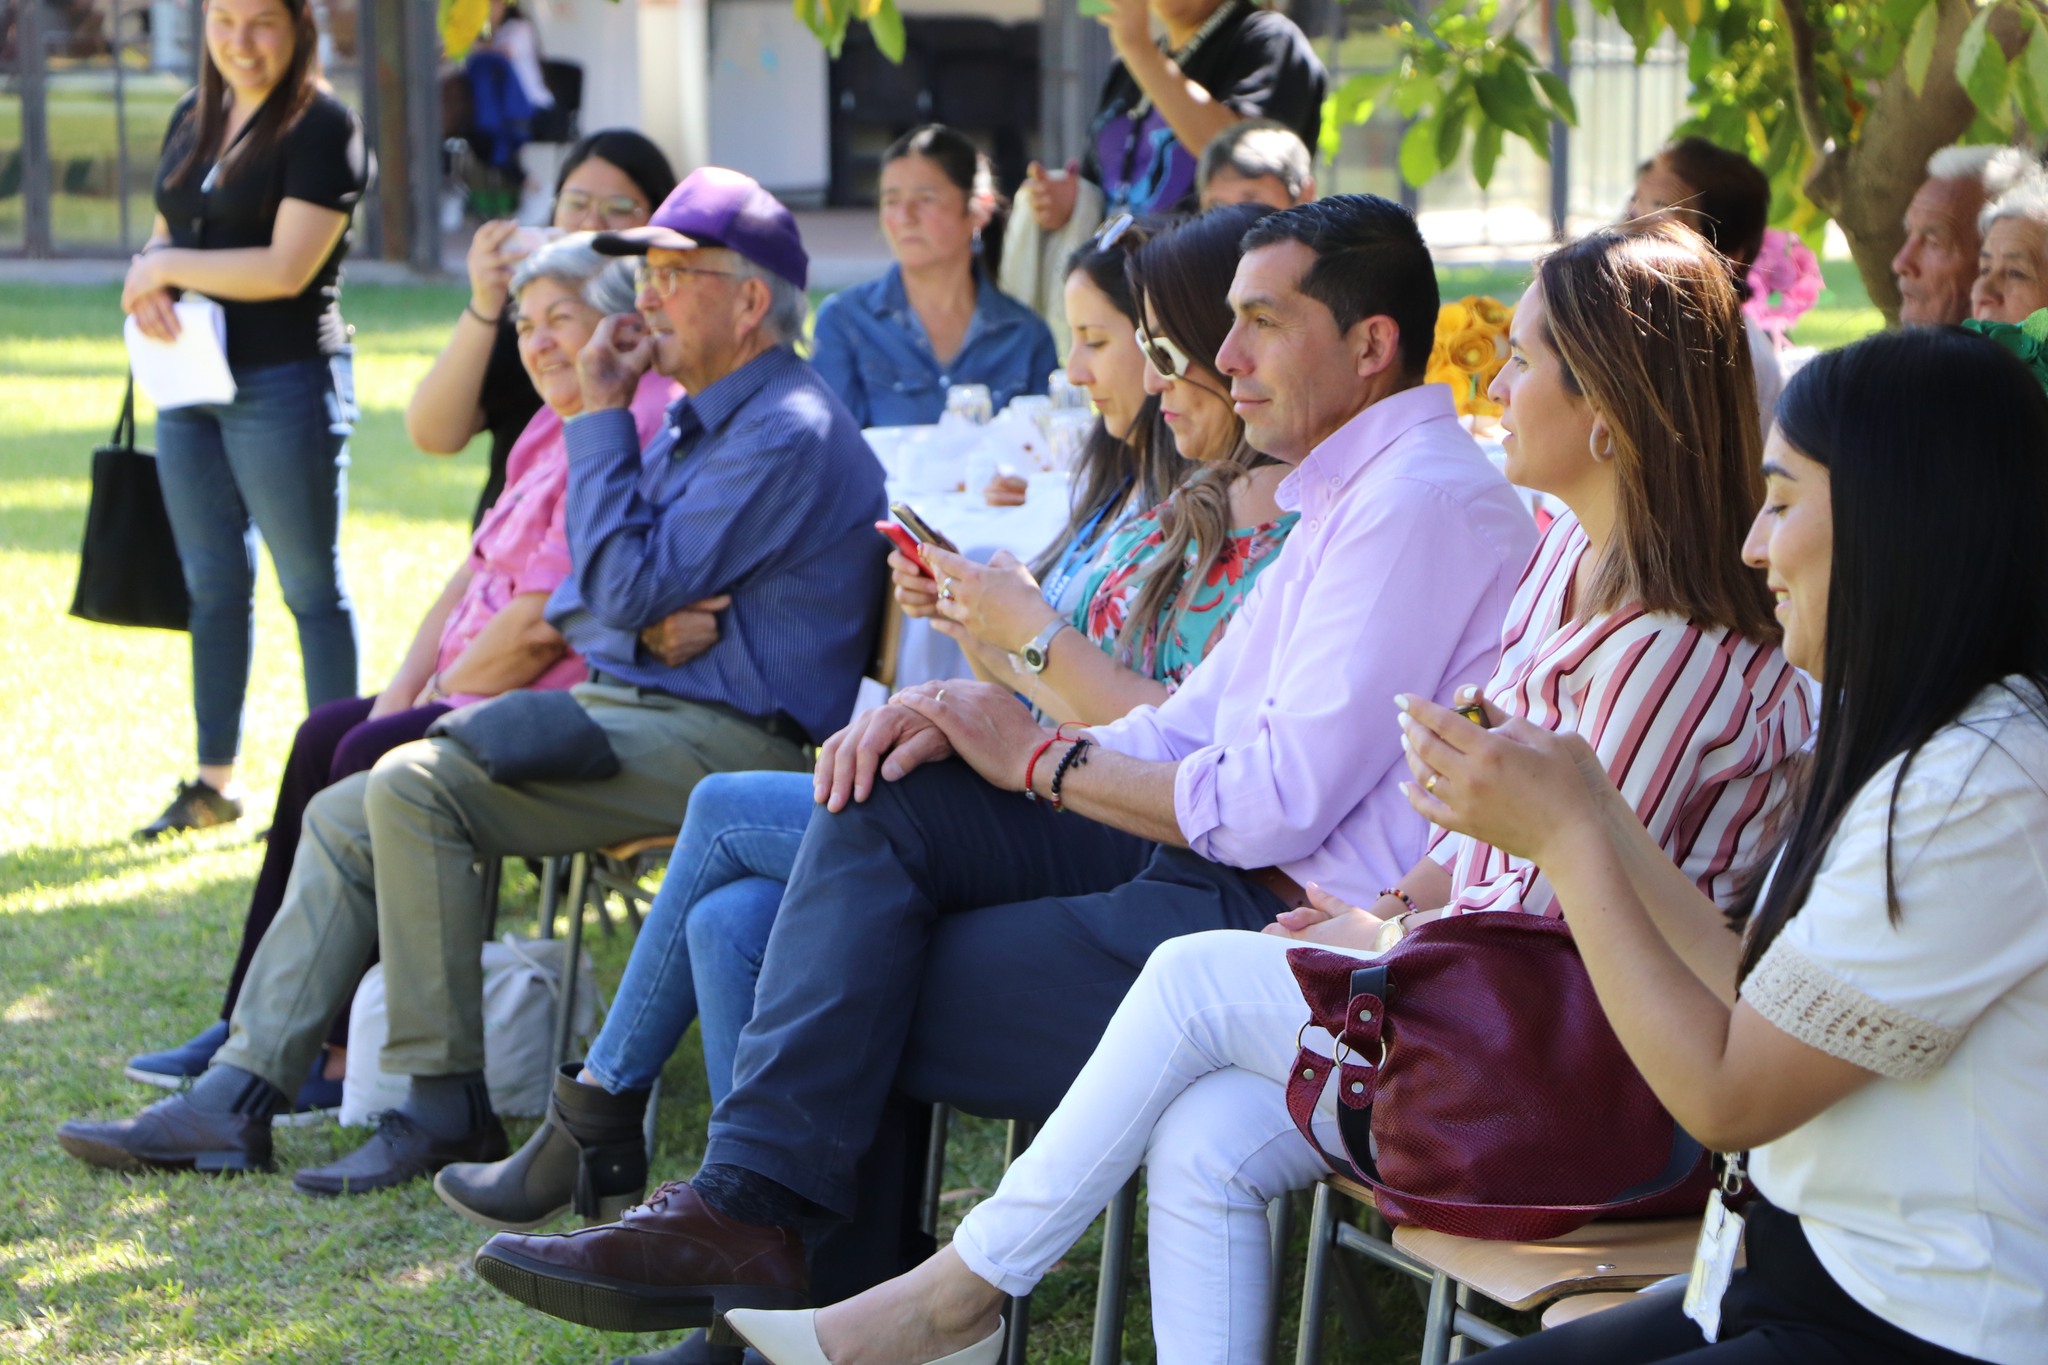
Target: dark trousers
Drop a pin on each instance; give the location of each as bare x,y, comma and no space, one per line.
956,941
335,741
1784,1309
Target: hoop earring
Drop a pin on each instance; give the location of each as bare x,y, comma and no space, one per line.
1602,451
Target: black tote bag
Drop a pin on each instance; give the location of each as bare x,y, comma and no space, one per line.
128,569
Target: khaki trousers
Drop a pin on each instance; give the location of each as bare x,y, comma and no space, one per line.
399,854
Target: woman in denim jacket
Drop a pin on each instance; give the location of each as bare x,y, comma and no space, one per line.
893,346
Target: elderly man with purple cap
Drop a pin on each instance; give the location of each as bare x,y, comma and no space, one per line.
758,493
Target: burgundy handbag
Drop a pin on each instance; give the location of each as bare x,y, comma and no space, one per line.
1482,1092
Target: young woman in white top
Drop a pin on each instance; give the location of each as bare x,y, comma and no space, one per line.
1877,1038
1636,626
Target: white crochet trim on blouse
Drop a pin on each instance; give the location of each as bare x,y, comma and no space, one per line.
1821,1010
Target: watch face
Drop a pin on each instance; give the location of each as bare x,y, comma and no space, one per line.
1034,658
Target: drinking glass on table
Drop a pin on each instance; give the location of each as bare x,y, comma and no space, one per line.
970,401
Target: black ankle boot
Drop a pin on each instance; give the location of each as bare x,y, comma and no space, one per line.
589,1157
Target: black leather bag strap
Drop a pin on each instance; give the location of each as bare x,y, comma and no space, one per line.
124,429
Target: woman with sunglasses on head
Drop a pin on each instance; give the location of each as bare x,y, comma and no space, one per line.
610,180
1166,581
1636,624
892,347
699,953
261,169
1873,1037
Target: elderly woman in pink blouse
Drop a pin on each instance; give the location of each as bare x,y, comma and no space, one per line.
483,635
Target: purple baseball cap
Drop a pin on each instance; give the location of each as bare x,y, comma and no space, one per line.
717,207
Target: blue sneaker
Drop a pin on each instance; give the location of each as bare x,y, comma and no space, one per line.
178,1067
318,1099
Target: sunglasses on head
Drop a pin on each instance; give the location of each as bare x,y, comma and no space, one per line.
1163,355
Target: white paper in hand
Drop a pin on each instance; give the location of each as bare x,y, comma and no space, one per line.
194,368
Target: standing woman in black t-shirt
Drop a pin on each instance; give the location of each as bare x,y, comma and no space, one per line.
261,168
610,181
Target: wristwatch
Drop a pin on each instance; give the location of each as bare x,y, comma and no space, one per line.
1034,655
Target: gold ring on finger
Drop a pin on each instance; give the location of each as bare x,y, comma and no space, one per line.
1430,786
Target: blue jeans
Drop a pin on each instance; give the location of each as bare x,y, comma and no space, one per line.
700,950
274,461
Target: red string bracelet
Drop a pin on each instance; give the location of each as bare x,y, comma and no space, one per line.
1032,766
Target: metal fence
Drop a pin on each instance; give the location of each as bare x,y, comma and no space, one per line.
86,92
1626,111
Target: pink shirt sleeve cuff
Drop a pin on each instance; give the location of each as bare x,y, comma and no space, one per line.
1195,805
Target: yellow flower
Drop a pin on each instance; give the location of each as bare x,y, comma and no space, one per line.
1452,319
1492,312
1460,382
462,23
1472,349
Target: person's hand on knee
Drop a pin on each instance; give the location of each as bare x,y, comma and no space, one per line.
890,739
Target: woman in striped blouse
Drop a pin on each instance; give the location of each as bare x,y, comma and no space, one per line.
1629,396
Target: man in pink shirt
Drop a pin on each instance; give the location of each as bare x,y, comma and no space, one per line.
948,932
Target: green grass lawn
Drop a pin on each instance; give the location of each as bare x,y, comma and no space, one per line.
107,948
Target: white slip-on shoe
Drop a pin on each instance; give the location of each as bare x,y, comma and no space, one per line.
791,1338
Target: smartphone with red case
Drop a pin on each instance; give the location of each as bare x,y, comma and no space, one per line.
919,527
906,545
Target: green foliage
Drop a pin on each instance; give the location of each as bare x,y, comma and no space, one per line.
1464,74
830,19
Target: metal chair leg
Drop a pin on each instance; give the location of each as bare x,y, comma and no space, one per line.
647,1124
1019,1311
1459,1343
1438,1320
550,883
934,1170
1113,1284
565,1018
1280,1229
492,870
1315,1279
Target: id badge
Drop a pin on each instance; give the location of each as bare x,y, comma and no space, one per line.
1713,1266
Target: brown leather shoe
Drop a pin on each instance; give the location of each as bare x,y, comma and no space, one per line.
672,1262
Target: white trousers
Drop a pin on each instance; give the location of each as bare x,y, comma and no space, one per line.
1189,1081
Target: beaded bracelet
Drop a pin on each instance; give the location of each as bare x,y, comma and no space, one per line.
1072,758
1402,896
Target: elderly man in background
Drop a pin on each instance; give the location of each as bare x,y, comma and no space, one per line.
2012,265
758,489
1938,263
1256,161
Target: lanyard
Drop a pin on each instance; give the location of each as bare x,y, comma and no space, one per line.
206,186
1079,551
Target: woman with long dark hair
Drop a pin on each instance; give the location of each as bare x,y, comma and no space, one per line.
610,180
260,172
891,347
1874,1034
1626,399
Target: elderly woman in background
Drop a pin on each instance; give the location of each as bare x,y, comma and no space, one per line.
2012,265
892,347
610,180
484,634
